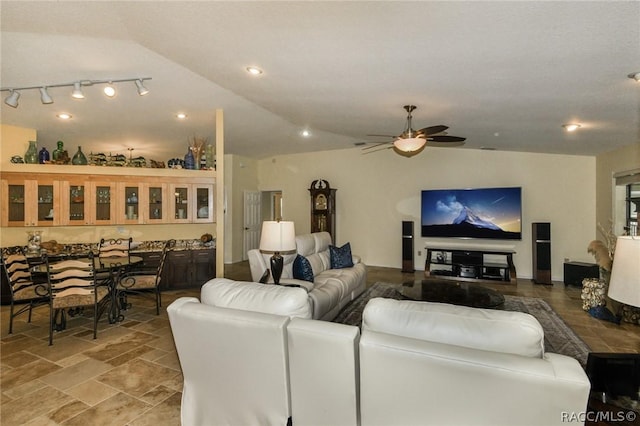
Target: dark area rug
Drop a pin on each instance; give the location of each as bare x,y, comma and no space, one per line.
558,336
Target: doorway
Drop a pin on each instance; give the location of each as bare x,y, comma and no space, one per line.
258,207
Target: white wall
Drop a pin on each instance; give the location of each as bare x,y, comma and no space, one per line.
376,192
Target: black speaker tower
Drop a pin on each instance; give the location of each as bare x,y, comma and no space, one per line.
407,246
541,239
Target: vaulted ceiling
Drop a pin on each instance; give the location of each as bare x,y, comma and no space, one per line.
505,75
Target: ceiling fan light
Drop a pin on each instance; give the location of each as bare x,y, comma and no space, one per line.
571,127
141,89
44,96
409,144
12,99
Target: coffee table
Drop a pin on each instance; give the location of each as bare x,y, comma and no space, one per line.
456,293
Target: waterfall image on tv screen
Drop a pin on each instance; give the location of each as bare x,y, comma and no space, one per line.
472,213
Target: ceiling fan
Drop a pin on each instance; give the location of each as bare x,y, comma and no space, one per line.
411,142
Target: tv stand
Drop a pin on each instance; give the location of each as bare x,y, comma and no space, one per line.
462,264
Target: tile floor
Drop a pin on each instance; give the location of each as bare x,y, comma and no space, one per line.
131,374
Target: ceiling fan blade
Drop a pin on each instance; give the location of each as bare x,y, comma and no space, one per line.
379,149
432,130
384,136
376,144
446,139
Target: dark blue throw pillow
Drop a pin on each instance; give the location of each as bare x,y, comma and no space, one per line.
340,256
302,269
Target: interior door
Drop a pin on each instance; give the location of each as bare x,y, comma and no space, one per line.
252,221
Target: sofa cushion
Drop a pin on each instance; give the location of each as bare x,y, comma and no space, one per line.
340,256
491,330
302,269
270,299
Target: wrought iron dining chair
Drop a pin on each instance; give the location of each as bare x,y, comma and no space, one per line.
73,284
143,281
23,290
115,247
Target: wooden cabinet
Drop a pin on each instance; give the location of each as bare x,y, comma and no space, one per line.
188,268
29,202
191,203
74,199
323,208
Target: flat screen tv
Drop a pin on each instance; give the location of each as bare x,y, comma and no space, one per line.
494,213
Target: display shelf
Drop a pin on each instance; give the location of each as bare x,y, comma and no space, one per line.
487,264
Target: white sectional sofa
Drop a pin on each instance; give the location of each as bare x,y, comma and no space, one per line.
250,354
331,289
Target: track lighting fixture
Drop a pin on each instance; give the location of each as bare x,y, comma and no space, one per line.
77,93
44,96
141,89
109,90
12,99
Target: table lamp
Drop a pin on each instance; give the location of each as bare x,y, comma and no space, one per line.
277,237
624,285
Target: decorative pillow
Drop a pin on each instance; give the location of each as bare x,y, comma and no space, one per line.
340,256
302,269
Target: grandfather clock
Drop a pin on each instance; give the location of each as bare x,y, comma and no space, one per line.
323,208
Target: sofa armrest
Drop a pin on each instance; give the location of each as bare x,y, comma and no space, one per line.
356,259
323,372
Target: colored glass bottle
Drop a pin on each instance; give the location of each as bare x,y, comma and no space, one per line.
58,152
79,159
31,156
43,156
189,161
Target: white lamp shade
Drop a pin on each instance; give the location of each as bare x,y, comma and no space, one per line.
278,236
409,144
624,285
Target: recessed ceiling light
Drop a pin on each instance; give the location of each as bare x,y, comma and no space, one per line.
181,115
572,127
254,70
64,116
306,133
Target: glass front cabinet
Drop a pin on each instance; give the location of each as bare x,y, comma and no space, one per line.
78,200
27,202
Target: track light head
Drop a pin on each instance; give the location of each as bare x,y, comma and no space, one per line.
44,96
109,90
12,99
77,91
141,89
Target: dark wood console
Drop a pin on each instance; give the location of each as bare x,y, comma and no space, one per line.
463,264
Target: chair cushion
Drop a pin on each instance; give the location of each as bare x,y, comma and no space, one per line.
270,299
340,256
490,330
302,269
137,282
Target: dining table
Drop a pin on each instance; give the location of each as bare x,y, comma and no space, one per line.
107,270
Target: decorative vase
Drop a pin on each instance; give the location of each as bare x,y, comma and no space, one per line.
58,152
79,159
33,241
210,156
31,156
43,156
189,161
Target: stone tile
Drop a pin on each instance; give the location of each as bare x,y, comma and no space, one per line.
20,343
157,395
170,360
26,373
72,360
128,356
62,348
119,346
176,383
137,377
76,374
18,359
119,409
25,389
91,392
33,405
165,413
67,411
